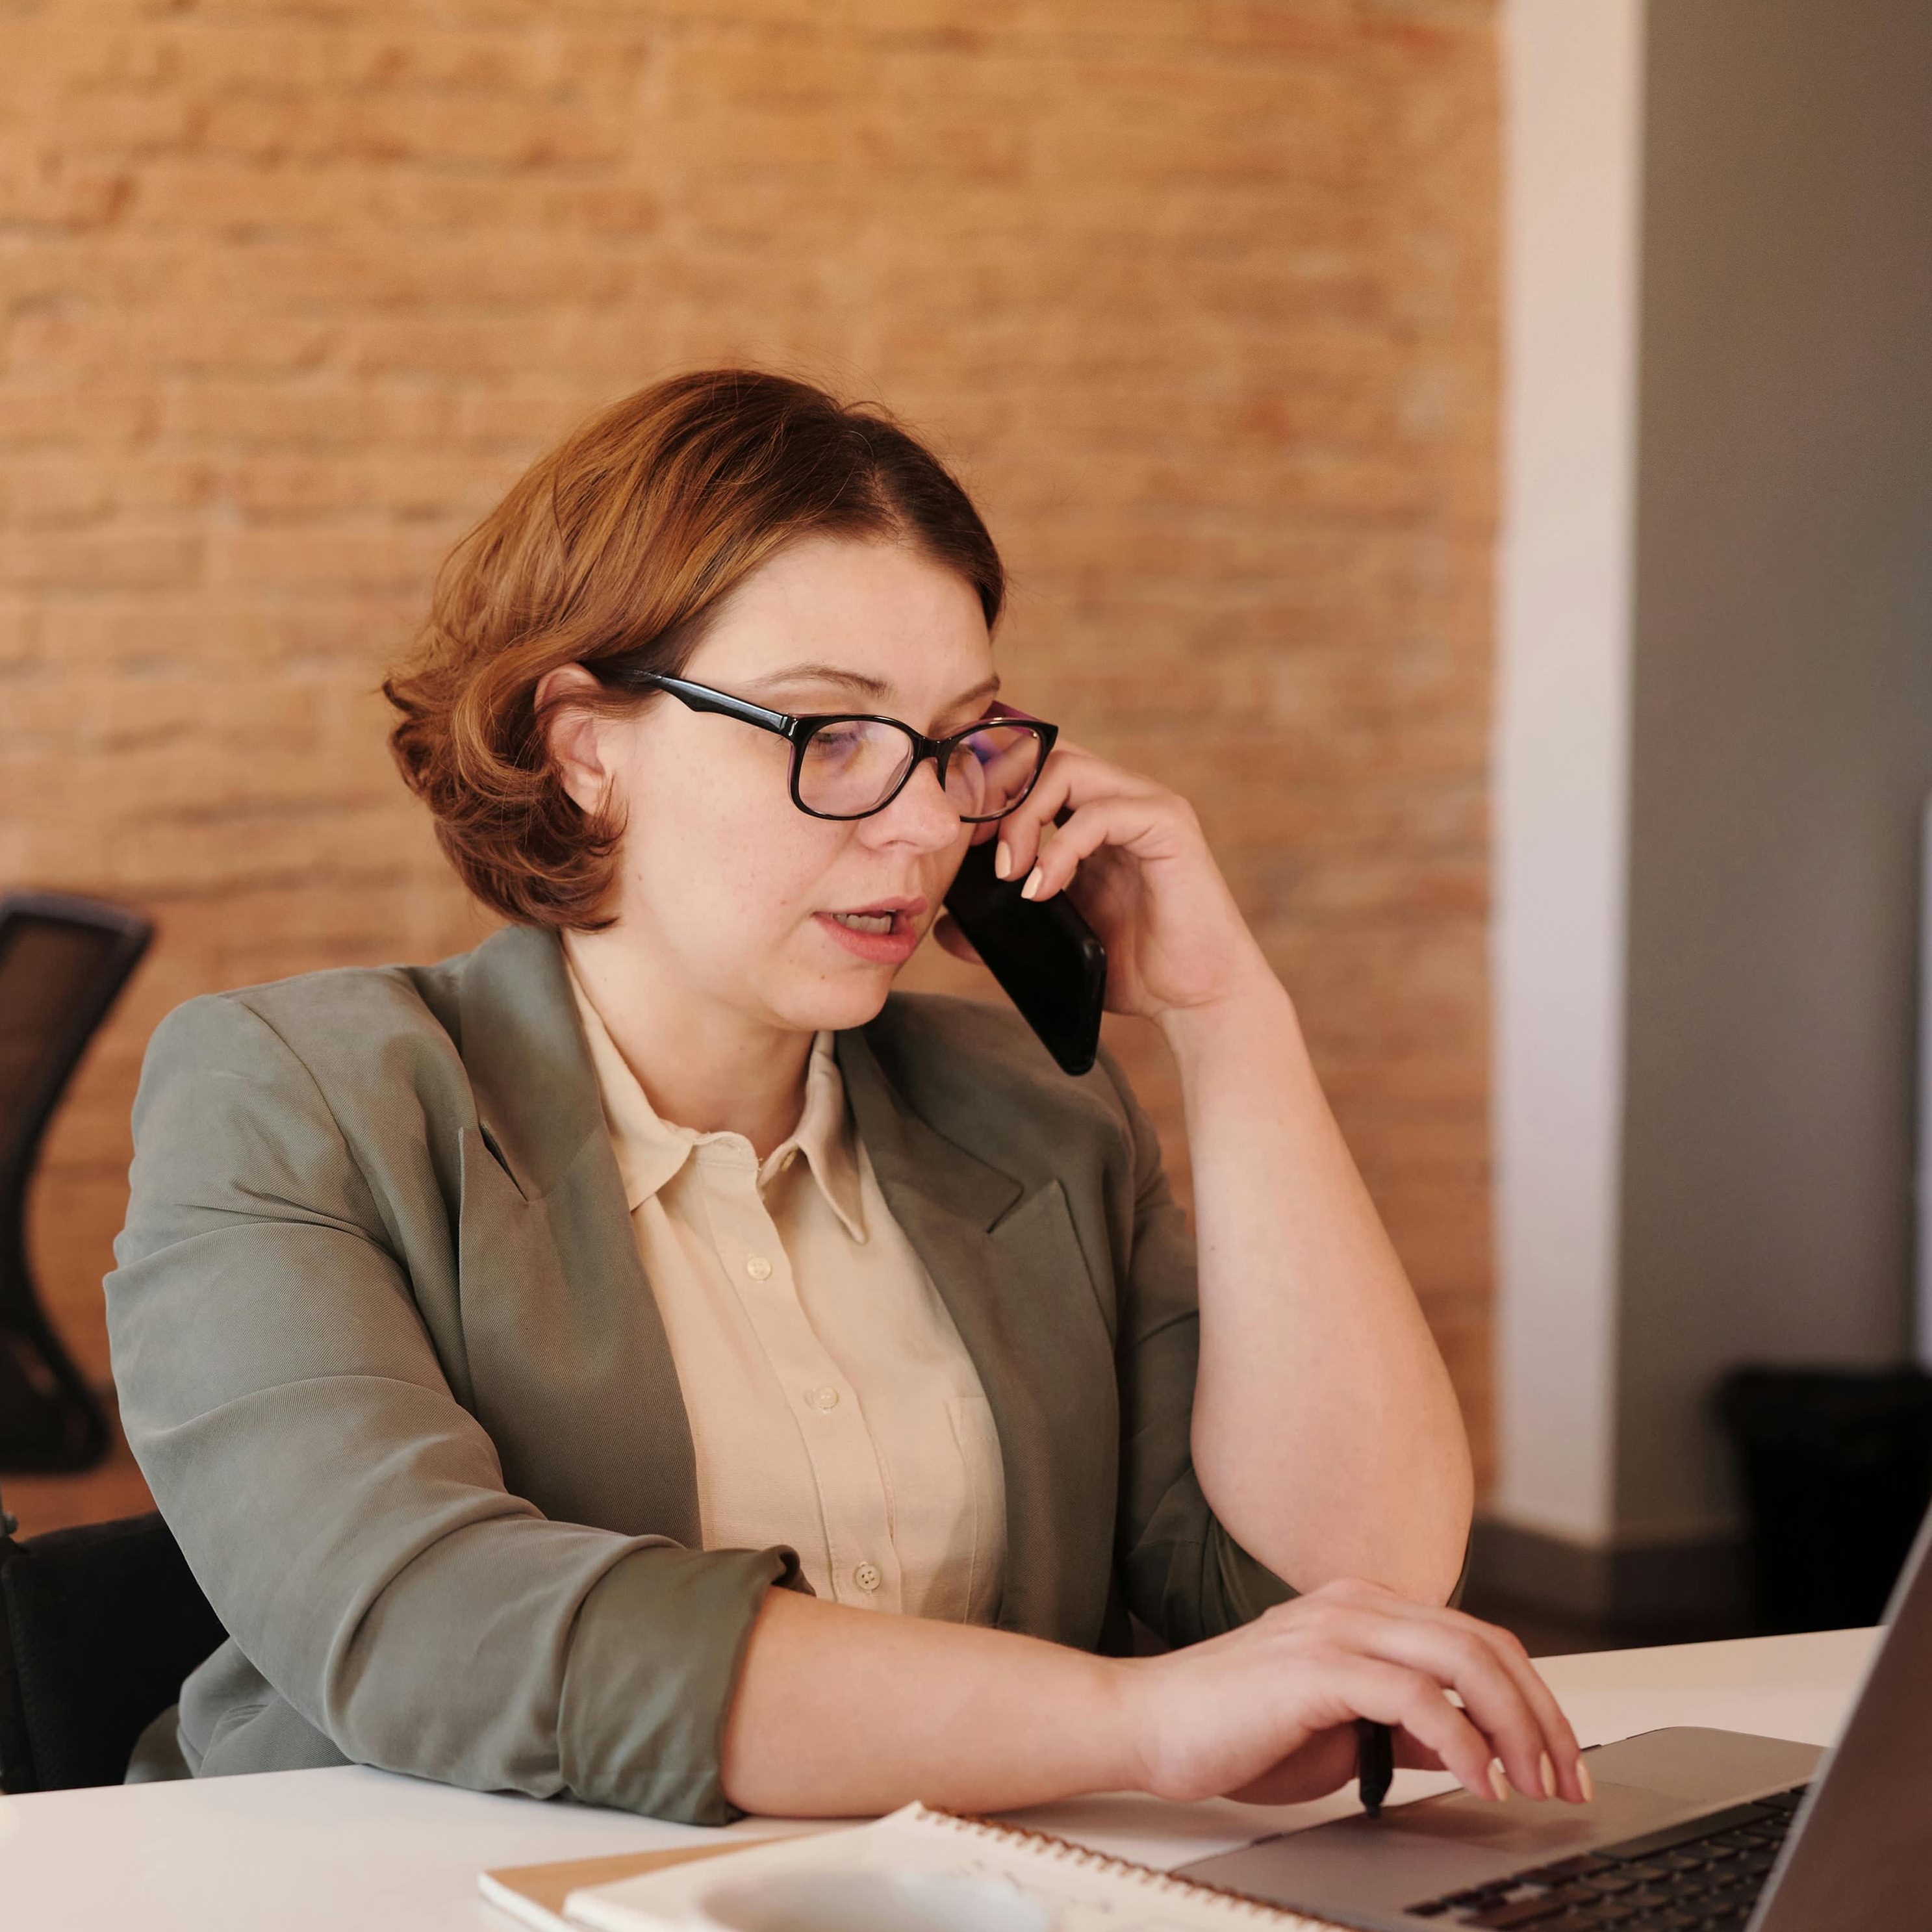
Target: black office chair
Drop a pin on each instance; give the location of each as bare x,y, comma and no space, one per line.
63,963
98,1627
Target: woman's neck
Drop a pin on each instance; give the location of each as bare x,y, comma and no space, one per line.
701,1065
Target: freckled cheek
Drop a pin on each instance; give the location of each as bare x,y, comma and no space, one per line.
729,850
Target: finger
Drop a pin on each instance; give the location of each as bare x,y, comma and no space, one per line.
952,936
1003,774
1457,1656
1392,1693
1115,821
981,773
1020,830
1071,778
1459,1661
1559,1739
1564,1753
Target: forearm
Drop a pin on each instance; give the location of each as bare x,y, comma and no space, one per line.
1326,1435
845,1712
841,1712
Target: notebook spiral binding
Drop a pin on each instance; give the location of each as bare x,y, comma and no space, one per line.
1064,1852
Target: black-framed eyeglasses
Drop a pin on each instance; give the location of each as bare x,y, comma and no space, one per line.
849,765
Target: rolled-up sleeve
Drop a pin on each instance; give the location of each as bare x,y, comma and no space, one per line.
1181,1573
345,1515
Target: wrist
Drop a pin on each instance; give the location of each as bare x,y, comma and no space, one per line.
1255,1006
1119,1702
1133,1722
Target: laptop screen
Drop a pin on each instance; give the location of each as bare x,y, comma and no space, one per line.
1859,1857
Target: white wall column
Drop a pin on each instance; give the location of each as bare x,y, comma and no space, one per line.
1574,84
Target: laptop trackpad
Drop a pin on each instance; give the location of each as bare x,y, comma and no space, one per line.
1446,1843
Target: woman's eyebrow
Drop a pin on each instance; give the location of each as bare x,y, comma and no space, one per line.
821,673
859,682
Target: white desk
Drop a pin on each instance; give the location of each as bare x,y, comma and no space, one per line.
353,1850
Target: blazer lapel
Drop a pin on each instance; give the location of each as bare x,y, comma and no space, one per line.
1008,1267
569,1362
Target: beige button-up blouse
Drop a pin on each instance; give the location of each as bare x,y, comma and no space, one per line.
833,1406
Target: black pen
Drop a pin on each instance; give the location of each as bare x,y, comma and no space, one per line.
1375,1763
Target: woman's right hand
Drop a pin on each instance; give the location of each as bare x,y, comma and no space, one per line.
1266,1713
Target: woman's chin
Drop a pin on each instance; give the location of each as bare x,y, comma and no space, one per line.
833,1004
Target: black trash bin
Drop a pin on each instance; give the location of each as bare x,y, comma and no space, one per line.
1836,1466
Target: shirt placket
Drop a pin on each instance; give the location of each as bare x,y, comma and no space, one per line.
838,1445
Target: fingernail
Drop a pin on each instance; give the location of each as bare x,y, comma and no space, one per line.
1031,888
1498,1780
1588,1783
1003,860
1548,1777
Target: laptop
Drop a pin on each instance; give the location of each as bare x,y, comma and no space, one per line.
1691,1829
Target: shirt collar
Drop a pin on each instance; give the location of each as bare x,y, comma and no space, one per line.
650,1151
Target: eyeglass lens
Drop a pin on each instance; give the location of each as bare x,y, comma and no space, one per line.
854,765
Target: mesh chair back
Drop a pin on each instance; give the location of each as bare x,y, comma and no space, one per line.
63,963
98,1627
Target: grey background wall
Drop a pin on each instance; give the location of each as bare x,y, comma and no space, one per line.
1781,715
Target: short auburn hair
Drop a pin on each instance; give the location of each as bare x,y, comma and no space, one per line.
622,543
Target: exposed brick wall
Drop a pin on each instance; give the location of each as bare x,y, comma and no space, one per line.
1199,294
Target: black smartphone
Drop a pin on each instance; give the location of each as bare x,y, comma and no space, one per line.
1047,958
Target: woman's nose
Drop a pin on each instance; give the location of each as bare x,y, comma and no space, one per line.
921,814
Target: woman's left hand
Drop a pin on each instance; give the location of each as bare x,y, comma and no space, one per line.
1132,857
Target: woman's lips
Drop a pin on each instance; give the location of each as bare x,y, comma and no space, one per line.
893,948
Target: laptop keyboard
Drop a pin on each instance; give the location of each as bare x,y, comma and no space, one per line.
1704,1874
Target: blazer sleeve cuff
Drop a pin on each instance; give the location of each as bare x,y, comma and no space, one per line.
1188,1579
653,1664
1241,1587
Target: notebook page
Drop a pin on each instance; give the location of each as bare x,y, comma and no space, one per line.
1086,1891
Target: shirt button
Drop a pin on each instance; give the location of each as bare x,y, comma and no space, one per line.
823,1398
867,1576
758,1268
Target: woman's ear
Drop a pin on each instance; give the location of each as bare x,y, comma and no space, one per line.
571,733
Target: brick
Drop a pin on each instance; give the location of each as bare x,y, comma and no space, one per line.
241,413
513,270
31,414
414,485
366,559
51,560
170,631
75,196
197,192
128,122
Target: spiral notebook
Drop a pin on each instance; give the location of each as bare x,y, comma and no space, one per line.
1086,1891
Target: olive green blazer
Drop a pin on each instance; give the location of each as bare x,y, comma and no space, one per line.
387,1357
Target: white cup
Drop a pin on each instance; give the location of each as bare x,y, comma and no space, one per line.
856,1900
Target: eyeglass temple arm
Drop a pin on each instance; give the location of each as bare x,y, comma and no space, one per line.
700,697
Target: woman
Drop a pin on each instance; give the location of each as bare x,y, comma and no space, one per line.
553,1360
